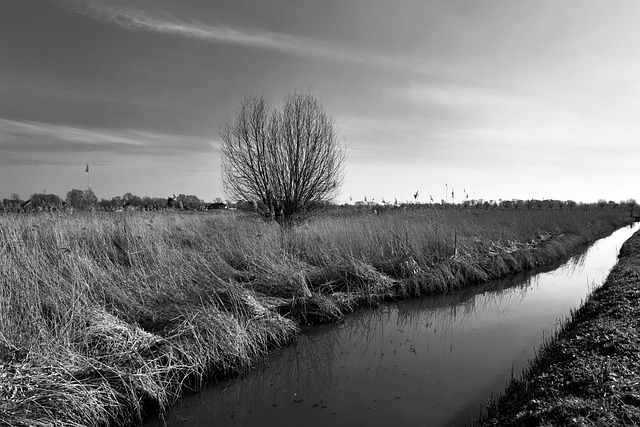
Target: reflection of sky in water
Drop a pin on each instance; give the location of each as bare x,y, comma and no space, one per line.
433,361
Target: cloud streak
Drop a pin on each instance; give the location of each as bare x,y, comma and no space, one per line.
21,139
146,20
155,21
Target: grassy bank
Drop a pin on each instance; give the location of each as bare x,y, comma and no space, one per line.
589,374
106,318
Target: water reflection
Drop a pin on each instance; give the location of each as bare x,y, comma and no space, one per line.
432,361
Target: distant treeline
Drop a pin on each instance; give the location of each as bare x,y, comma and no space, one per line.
87,200
532,204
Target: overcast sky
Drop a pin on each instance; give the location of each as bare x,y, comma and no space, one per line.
501,99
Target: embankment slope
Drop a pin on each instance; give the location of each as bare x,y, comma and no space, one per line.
589,374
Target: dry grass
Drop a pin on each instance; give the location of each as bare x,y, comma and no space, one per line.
107,318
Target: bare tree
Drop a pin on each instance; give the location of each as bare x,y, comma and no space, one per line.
290,160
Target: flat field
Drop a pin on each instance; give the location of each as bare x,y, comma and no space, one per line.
106,318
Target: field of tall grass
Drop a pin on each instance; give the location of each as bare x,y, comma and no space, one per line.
106,318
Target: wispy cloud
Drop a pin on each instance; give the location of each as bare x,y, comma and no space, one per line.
127,16
153,20
14,134
28,137
517,119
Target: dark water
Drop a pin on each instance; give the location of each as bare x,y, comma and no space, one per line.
431,362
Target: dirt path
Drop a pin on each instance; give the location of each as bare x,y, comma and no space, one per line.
589,374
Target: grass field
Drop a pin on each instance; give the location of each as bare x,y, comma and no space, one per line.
106,318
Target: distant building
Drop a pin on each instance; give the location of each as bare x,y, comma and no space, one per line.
217,206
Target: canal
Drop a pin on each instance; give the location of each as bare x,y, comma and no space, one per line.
433,361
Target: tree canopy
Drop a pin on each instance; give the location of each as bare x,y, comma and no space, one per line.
290,160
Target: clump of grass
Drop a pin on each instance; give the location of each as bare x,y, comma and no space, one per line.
107,318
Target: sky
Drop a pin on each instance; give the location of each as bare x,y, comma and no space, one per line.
510,99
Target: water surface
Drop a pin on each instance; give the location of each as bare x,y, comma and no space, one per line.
433,361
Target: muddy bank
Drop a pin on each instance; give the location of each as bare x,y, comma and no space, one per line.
589,374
